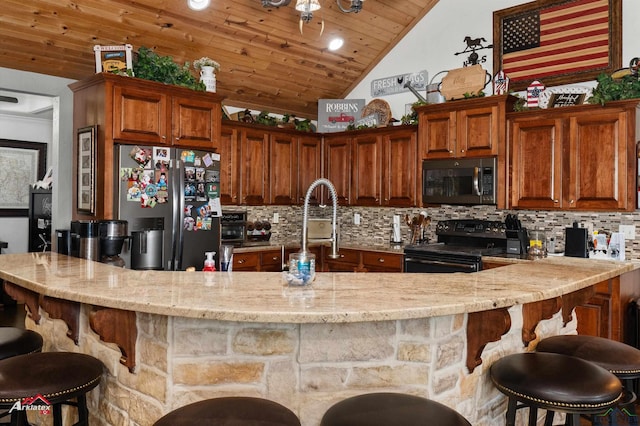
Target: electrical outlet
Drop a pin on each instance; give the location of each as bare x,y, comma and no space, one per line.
629,231
276,218
356,218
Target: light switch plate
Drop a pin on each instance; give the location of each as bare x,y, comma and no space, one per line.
629,231
356,218
276,218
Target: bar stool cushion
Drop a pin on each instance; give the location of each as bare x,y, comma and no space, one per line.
17,341
385,409
57,376
619,358
231,411
556,382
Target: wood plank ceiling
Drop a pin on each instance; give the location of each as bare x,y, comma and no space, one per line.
266,63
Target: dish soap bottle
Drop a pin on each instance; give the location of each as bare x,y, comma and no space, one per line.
209,263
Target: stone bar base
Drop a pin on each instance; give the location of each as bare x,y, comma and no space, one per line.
306,367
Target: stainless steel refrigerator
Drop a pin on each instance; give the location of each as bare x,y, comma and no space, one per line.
170,197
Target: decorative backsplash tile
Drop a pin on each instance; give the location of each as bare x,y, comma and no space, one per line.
375,222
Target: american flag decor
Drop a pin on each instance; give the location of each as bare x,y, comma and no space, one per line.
557,38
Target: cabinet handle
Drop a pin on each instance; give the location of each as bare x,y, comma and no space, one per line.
556,201
241,261
275,258
462,150
164,136
571,202
381,260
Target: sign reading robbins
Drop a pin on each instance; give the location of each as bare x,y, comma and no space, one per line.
335,115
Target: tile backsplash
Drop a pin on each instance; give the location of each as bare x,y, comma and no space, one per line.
375,222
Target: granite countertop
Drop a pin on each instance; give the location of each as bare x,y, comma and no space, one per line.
332,298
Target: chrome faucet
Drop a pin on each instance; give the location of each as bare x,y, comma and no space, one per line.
305,216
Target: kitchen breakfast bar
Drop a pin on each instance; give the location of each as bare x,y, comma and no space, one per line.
172,338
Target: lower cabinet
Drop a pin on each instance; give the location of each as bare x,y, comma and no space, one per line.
601,315
258,261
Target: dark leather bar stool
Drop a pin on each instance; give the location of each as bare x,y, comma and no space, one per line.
385,409
58,378
233,410
17,341
554,382
619,358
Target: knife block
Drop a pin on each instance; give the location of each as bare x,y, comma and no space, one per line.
576,242
517,241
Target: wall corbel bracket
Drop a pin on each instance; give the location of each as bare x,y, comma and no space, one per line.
119,327
482,328
28,297
67,311
533,313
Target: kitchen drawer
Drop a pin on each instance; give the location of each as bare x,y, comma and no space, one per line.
246,261
271,258
383,262
346,256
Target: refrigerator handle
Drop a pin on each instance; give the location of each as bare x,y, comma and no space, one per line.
178,214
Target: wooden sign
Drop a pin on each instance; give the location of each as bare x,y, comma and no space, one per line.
113,58
558,100
457,82
398,83
335,115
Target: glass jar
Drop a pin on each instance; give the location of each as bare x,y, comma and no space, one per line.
302,268
537,244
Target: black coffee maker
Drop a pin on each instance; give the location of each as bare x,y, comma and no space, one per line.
113,234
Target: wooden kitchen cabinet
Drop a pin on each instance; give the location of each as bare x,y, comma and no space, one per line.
337,167
162,117
283,168
309,166
465,128
130,110
384,167
229,165
601,315
262,260
376,261
254,166
574,158
349,260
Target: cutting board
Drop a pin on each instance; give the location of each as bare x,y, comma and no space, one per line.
459,81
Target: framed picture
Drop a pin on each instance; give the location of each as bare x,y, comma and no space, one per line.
87,169
116,59
557,41
21,165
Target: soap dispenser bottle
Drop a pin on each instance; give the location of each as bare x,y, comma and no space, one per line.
209,263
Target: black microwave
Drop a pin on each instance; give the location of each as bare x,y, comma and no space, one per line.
460,181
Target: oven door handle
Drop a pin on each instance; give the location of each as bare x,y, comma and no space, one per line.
476,180
441,263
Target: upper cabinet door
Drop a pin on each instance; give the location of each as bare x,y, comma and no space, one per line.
478,131
536,163
196,123
337,157
399,169
229,169
366,183
283,155
600,158
437,134
309,166
254,167
140,116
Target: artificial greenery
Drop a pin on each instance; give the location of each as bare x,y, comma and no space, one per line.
613,89
151,66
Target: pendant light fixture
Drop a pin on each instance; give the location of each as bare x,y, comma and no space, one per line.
355,7
306,9
275,3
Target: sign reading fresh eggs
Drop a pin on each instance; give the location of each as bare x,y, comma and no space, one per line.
398,83
335,115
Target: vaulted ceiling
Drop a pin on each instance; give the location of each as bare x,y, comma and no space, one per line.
266,63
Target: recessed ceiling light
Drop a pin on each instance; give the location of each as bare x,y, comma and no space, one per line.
198,4
336,43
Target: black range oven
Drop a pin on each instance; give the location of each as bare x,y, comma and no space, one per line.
460,247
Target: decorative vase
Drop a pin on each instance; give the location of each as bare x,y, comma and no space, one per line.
208,77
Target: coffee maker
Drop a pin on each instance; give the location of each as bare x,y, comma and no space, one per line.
113,234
